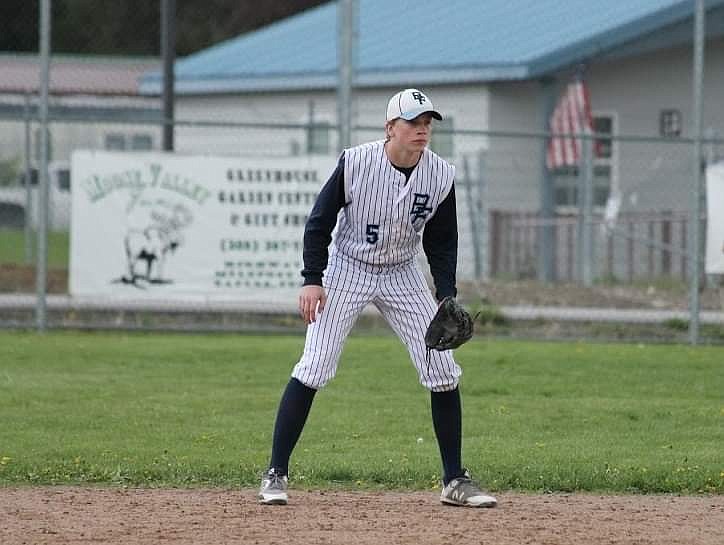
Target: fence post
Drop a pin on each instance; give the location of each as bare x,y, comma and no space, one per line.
41,272
345,33
666,243
684,248
652,260
572,252
494,242
610,257
473,220
585,214
482,209
695,233
168,52
546,232
310,127
630,251
28,187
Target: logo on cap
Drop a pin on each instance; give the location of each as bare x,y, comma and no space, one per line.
418,96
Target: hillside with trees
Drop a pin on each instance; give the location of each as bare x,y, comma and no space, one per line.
132,27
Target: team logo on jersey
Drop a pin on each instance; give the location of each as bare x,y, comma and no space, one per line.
420,210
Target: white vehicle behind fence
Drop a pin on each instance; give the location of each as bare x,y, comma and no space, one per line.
14,199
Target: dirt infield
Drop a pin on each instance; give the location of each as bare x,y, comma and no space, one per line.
69,515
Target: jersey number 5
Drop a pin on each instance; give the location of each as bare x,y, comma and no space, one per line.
372,233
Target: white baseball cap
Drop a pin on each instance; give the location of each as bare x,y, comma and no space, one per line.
408,104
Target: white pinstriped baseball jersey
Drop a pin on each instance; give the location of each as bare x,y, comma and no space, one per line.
381,224
372,260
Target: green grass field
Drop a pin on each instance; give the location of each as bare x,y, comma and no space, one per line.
12,247
198,410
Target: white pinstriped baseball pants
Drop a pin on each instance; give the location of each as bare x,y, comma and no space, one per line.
402,296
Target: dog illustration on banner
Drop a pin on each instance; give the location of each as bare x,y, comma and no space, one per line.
148,248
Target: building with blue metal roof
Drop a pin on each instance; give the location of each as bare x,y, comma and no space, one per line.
429,42
494,68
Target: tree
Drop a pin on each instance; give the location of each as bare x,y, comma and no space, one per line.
132,27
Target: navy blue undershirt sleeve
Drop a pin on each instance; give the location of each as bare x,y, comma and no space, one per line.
320,224
440,243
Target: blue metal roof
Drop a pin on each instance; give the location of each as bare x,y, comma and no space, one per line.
423,41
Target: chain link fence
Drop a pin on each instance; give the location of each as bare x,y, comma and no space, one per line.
639,258
523,270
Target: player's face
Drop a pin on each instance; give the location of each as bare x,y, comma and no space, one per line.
412,136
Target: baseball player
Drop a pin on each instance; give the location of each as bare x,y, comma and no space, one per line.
387,192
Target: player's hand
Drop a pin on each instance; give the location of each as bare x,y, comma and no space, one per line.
311,302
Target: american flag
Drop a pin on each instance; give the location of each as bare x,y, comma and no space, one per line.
571,116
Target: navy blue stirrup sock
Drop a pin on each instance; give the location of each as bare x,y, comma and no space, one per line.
291,416
447,421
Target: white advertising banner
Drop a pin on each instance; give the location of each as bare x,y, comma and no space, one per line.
157,225
715,219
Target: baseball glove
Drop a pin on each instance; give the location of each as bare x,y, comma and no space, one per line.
451,326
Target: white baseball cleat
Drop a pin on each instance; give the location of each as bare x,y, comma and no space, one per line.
466,492
273,490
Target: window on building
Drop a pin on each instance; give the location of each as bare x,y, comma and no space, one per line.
115,141
141,142
442,141
670,123
33,177
566,179
294,147
318,137
604,146
64,179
